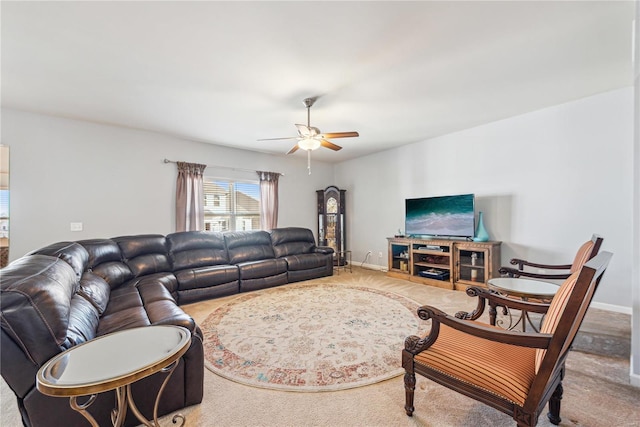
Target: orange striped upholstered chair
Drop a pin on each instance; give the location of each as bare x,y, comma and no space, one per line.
588,250
514,372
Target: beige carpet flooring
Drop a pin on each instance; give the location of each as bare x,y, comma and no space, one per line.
596,388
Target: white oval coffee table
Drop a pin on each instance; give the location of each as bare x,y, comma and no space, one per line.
114,362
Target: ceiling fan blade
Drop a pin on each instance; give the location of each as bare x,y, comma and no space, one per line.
277,139
304,131
330,145
293,149
332,135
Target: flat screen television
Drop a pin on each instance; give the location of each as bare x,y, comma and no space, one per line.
445,216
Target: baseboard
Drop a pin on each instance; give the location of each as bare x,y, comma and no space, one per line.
634,380
610,307
375,267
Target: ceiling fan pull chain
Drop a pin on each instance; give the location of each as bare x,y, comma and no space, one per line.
309,161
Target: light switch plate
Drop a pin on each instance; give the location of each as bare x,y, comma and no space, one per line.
76,226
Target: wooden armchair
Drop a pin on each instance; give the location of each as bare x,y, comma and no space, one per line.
588,250
514,372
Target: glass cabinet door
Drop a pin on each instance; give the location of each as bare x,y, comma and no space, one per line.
472,265
399,257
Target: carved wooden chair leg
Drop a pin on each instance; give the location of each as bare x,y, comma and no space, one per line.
492,313
409,388
554,405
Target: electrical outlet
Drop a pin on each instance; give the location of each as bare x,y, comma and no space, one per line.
379,254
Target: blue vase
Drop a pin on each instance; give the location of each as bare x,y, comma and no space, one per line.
481,232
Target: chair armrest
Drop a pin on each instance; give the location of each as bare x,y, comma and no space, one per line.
497,300
326,250
512,272
521,263
415,345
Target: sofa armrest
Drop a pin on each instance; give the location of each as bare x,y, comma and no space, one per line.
326,250
166,314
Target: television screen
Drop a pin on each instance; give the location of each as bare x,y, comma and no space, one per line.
441,216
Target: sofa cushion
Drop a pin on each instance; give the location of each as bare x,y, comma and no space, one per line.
101,251
122,299
144,254
83,321
307,261
143,305
262,268
244,246
131,317
189,296
205,277
72,253
262,282
125,310
193,249
105,260
168,280
292,241
143,244
38,288
162,309
95,290
308,274
114,273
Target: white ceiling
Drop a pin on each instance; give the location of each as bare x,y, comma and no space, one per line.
230,73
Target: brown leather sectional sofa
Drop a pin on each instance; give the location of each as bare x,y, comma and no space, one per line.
70,292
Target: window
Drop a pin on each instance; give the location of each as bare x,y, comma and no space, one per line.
231,205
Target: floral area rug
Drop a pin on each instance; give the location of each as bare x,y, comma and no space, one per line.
318,337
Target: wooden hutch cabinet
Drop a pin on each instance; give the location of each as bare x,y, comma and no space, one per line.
331,221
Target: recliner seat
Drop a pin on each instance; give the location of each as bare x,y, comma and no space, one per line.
253,253
201,265
304,259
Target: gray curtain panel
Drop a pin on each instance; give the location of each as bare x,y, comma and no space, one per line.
190,197
268,199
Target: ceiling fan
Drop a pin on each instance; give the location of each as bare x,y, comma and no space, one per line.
310,138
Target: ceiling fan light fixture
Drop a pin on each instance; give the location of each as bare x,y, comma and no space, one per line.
309,144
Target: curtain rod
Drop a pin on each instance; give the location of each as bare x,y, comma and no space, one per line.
225,167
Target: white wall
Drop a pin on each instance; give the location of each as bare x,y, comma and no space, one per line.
546,181
114,181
